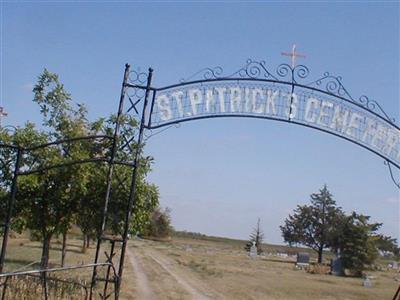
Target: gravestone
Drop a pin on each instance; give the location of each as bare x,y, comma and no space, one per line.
367,282
253,250
337,267
282,254
303,259
393,265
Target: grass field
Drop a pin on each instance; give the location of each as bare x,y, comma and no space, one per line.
212,268
24,255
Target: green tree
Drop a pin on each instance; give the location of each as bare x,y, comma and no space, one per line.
356,241
146,194
31,200
387,244
25,136
50,201
64,120
90,204
7,161
312,225
257,237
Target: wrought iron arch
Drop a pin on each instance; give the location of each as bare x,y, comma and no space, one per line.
285,94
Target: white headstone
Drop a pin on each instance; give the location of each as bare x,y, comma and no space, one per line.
253,250
367,282
393,265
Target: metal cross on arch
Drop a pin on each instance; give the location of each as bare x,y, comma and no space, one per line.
293,55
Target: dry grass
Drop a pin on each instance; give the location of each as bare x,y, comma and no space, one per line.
215,269
224,271
30,287
24,255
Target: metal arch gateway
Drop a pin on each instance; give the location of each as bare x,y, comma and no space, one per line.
253,91
285,95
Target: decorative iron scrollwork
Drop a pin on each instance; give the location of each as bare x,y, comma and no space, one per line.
327,83
251,70
285,71
254,70
135,95
396,182
137,77
206,73
374,106
332,85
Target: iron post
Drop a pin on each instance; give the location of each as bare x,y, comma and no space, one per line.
110,174
132,193
10,209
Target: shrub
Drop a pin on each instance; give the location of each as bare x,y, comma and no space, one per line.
159,224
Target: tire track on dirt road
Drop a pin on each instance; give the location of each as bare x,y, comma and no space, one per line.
142,284
165,264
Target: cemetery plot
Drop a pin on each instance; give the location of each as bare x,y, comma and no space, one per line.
187,268
216,268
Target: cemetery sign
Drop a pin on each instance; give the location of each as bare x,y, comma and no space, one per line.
284,95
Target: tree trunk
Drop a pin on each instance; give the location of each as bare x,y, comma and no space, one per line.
44,262
64,249
87,241
320,250
84,245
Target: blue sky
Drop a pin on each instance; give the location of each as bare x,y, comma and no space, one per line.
219,176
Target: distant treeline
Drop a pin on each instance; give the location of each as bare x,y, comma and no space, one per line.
268,248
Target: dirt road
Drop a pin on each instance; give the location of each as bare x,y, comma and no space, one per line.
143,262
144,291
